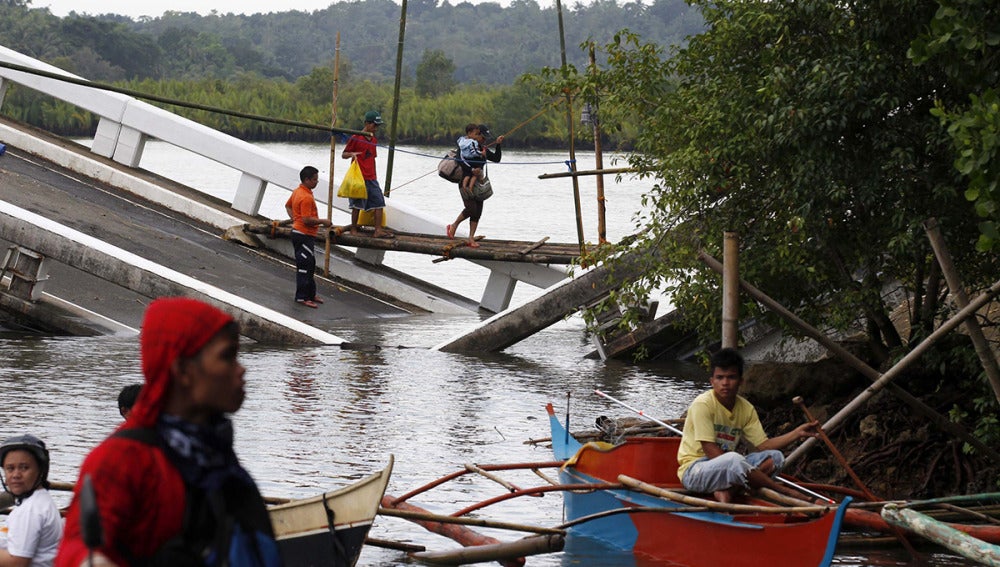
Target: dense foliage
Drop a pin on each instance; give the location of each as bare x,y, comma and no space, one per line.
806,128
487,43
280,65
964,38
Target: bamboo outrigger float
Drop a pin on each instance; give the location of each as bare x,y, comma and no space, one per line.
904,516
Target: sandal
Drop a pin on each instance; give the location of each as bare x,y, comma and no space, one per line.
317,299
307,303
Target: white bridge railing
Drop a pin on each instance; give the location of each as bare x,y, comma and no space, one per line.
126,124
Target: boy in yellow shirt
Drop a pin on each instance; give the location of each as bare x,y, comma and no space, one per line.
716,422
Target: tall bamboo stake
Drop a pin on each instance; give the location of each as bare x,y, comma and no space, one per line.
986,356
395,102
602,235
333,152
730,289
572,146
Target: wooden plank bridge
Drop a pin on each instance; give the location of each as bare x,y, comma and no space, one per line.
539,252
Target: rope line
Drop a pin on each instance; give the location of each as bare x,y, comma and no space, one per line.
343,132
440,157
175,102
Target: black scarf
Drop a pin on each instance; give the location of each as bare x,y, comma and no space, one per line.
203,454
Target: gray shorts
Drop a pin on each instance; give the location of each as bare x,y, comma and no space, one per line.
375,199
730,469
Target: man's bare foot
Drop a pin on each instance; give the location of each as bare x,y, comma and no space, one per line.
383,234
723,496
473,244
450,231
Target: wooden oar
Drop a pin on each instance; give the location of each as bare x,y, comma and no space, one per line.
718,506
797,400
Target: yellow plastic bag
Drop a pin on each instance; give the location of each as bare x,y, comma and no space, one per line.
353,185
367,218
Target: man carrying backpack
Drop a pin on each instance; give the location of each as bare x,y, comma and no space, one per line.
169,488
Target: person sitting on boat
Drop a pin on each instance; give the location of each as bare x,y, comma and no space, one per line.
34,527
716,422
168,487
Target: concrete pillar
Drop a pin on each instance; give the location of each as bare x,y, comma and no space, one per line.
249,194
499,289
370,256
106,137
131,143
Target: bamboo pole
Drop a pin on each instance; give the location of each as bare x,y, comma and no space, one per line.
587,172
880,381
465,521
730,289
449,529
572,144
333,152
942,534
599,159
535,545
718,506
471,467
986,355
395,101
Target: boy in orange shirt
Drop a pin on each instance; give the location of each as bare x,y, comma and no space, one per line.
301,207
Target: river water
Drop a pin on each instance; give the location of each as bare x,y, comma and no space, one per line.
316,418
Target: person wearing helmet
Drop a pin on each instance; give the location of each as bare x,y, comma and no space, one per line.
168,488
34,527
364,149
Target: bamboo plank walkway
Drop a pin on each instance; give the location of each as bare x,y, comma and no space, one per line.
539,252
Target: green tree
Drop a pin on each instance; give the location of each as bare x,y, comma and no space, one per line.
804,127
964,37
435,74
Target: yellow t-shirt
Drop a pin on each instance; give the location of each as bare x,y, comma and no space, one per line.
708,420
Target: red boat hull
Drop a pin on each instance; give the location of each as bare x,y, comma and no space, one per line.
691,539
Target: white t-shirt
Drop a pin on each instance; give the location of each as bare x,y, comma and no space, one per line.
34,529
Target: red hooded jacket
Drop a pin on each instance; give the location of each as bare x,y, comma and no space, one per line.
140,495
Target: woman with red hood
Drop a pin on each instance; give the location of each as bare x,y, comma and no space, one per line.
169,489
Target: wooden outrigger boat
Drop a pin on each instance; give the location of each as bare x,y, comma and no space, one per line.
326,530
329,529
684,530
